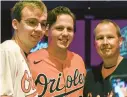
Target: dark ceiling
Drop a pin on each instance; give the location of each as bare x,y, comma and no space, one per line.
98,9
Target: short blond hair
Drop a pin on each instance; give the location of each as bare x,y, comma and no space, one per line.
16,11
107,21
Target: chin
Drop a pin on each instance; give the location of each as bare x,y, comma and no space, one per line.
63,47
107,56
59,45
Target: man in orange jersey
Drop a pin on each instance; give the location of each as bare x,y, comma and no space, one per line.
56,70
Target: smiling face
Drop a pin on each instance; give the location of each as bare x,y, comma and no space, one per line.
107,41
31,27
61,32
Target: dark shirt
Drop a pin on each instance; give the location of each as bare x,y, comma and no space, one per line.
96,85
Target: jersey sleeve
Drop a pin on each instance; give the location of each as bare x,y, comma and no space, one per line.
6,72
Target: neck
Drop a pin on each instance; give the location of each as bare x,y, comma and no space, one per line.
112,62
59,53
21,44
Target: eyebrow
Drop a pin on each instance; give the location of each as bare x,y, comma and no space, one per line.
36,19
44,20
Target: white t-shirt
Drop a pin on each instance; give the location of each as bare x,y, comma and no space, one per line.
15,77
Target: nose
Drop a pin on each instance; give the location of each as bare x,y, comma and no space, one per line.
65,32
105,41
38,28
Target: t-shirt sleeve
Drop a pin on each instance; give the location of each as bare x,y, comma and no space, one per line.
6,79
88,83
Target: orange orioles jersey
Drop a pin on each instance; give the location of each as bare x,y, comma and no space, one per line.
57,78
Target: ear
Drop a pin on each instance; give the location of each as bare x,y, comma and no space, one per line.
15,24
95,44
121,41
